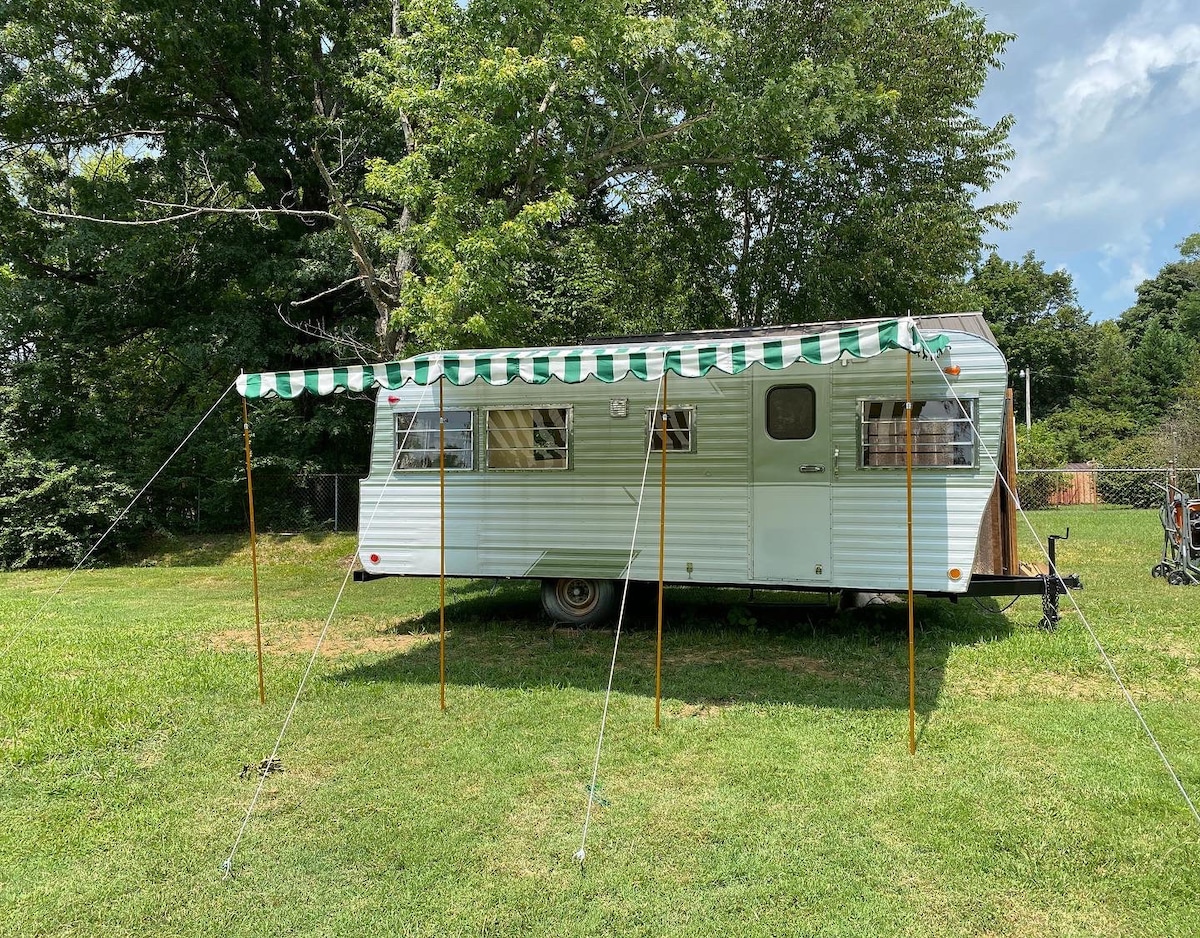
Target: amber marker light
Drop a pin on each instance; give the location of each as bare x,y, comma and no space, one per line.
953,370
955,573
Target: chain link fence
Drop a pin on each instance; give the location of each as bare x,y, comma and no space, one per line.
1129,516
310,503
1087,485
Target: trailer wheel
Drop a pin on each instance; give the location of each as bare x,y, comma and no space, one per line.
1160,570
579,601
1177,578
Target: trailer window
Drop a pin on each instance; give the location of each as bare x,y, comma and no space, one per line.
528,438
680,421
791,412
417,440
943,433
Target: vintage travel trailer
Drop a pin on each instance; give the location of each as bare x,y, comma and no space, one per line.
785,461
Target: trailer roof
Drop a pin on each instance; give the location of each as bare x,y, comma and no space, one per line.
688,357
972,323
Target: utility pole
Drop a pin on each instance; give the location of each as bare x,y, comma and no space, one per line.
1025,373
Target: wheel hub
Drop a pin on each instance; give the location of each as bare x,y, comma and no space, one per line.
578,594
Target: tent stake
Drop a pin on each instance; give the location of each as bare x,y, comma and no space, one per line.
912,648
262,689
662,546
442,543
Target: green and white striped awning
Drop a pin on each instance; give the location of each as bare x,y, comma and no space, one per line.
646,362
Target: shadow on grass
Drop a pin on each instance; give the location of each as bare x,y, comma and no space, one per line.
721,646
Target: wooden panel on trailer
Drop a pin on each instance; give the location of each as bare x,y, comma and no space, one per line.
996,553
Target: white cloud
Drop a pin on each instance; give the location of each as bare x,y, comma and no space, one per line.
1128,263
1131,257
1107,171
1119,291
1083,96
1086,199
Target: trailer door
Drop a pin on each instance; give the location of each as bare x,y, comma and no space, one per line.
791,474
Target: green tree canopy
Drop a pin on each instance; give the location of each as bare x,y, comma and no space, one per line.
796,163
1170,299
1109,383
392,176
799,162
1039,324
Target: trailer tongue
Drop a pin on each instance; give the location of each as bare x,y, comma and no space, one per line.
1049,585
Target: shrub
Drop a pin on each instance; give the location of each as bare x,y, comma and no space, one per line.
53,512
1039,449
1136,490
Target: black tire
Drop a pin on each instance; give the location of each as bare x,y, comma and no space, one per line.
579,601
1177,578
1159,570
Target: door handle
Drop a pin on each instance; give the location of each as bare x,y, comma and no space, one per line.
812,468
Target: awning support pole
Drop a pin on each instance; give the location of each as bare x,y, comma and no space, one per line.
662,545
442,543
912,647
262,688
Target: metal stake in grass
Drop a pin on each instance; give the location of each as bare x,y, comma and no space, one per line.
262,690
662,544
442,543
912,650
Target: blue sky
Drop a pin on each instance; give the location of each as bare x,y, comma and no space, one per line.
1106,96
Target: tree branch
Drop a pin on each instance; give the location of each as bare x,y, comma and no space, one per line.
184,211
651,138
253,212
141,222
76,142
360,350
84,279
325,293
371,280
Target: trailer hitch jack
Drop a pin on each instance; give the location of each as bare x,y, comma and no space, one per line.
1054,586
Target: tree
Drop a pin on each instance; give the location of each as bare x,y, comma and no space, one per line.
802,162
115,338
395,176
1160,363
1085,433
1037,320
1162,331
1170,299
1108,383
826,160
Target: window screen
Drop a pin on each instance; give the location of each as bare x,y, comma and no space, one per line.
943,434
791,412
680,421
528,438
417,440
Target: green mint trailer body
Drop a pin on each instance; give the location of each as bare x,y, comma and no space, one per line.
789,478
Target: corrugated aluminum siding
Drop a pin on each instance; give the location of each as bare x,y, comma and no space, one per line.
869,505
507,522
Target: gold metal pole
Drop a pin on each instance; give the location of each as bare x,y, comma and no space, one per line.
262,688
442,542
662,546
912,647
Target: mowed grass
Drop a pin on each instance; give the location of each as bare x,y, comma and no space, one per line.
778,798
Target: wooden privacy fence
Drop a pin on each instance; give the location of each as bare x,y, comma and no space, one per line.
1077,486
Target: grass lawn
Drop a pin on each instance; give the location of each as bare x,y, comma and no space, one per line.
778,798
